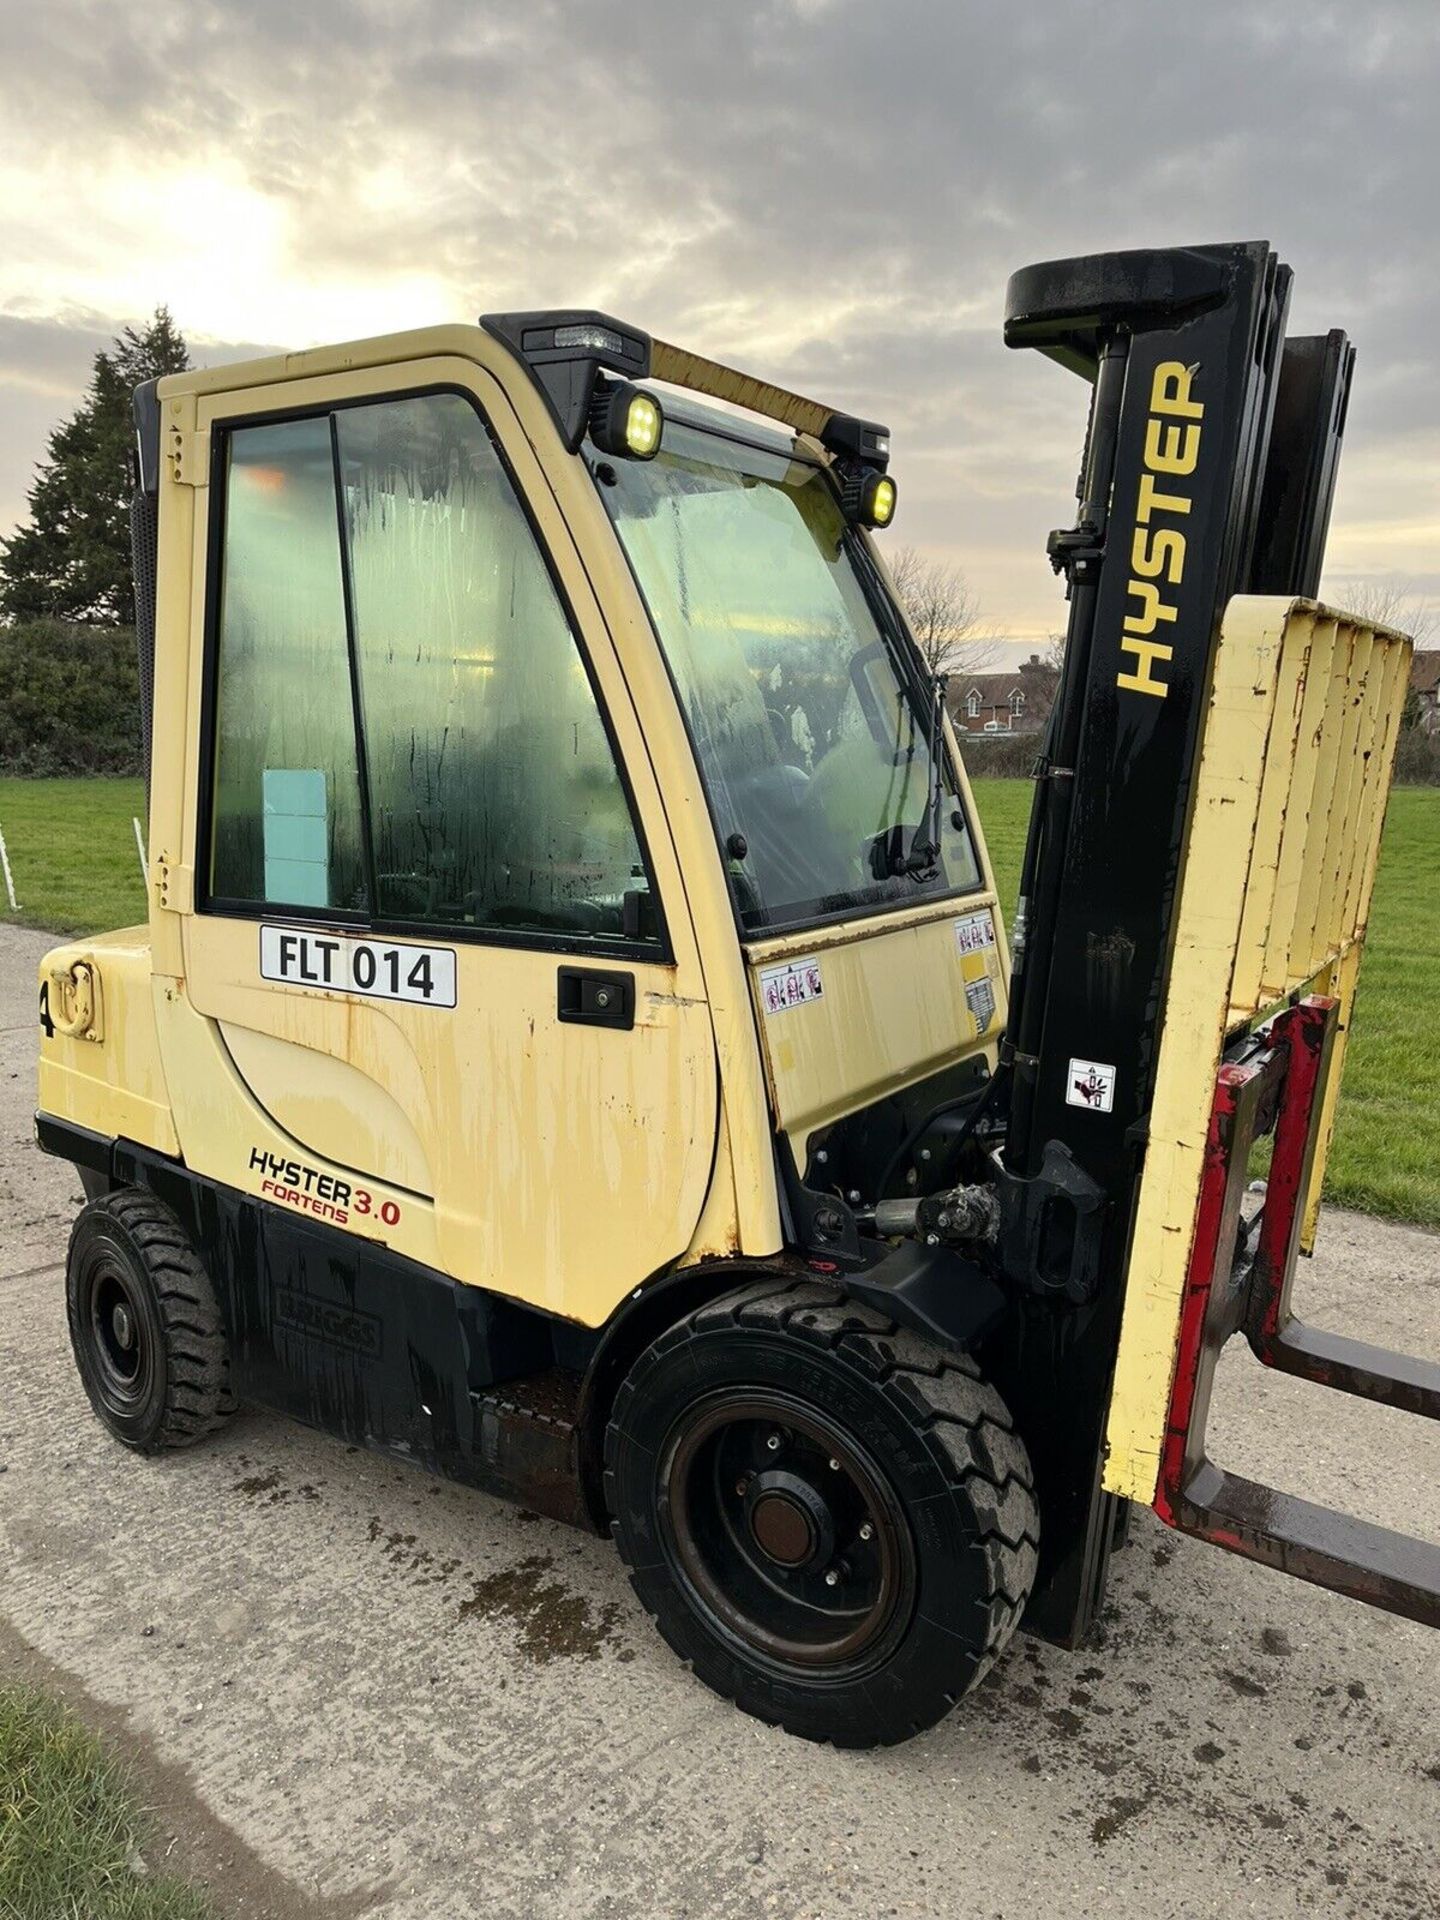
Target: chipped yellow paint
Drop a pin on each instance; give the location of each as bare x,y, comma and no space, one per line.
115,1086
684,369
1378,737
1300,790
1295,759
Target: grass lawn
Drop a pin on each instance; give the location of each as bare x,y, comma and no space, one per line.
72,1840
73,854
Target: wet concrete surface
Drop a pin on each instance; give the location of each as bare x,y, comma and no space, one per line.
351,1688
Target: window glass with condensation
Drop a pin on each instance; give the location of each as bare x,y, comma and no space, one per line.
286,821
494,796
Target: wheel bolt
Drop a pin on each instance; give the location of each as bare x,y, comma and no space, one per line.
834,1466
867,1532
773,1443
742,1485
832,1578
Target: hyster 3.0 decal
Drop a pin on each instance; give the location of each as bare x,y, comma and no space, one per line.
326,1195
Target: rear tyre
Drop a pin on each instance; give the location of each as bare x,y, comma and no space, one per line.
145,1326
831,1520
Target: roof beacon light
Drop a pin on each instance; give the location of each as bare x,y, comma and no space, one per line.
599,339
625,420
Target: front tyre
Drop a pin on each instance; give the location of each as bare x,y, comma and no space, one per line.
145,1326
833,1521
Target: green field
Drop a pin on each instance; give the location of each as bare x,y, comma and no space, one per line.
72,853
72,849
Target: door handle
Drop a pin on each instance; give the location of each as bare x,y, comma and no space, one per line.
590,997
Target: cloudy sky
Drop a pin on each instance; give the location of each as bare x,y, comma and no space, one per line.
829,192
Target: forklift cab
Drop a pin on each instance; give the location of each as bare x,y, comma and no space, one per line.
572,1045
482,757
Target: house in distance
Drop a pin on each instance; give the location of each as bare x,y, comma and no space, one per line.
1017,701
1425,686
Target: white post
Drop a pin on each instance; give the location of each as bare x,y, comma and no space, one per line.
140,849
9,883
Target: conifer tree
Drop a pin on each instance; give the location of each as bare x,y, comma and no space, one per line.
72,562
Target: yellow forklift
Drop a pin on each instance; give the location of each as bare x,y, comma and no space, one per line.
574,1045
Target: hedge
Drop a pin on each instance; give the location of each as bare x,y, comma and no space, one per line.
1417,759
69,699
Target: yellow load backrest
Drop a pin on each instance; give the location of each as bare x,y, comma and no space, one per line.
1292,777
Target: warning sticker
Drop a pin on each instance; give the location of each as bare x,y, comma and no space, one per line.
1091,1084
790,985
979,965
980,998
974,932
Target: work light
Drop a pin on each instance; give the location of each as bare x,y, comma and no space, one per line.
868,497
625,420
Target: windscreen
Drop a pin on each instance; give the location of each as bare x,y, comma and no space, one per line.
812,738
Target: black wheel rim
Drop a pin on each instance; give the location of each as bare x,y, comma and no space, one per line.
785,1533
117,1335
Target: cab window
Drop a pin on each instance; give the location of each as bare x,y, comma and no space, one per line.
417,737
286,822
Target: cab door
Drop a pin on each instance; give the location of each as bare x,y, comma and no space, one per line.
440,942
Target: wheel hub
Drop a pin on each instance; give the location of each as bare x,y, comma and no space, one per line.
117,1337
783,1529
123,1327
789,1519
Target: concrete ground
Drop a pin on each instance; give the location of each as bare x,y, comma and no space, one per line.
353,1689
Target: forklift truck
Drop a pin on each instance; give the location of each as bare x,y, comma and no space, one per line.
574,1044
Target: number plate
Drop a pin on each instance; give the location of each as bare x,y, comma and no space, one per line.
338,963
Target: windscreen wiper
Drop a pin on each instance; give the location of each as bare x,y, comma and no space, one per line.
894,853
889,855
924,855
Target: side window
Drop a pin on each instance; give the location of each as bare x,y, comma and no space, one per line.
377,562
286,817
494,796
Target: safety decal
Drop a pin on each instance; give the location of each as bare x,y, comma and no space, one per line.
339,963
975,931
980,998
1091,1085
790,985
